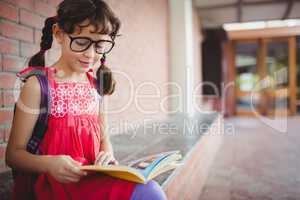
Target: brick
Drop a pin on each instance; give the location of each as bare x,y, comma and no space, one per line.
2,151
31,19
2,135
1,62
10,97
44,9
28,4
9,46
7,134
6,116
7,80
28,49
3,167
8,11
37,36
1,98
13,63
16,31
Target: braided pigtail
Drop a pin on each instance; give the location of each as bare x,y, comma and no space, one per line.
105,82
46,43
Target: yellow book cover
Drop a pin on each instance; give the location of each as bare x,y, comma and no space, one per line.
141,170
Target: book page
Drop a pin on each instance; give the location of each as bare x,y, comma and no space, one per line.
144,162
119,171
163,169
147,164
137,170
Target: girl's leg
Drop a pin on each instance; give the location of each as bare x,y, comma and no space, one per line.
149,191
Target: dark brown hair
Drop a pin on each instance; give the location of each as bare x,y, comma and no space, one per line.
72,13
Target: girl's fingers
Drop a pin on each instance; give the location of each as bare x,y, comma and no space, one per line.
70,173
67,179
67,175
99,156
107,160
76,170
75,162
102,159
114,162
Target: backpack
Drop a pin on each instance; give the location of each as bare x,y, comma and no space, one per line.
24,181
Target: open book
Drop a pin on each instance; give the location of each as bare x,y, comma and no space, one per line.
141,170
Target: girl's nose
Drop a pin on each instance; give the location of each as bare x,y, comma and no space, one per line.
90,52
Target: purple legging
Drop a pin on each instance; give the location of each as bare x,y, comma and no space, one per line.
149,191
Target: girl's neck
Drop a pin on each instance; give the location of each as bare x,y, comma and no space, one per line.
65,72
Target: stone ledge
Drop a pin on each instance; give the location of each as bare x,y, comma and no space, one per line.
183,134
187,181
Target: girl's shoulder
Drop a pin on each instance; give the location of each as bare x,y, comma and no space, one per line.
30,93
31,86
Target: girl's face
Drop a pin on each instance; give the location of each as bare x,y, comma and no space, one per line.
76,56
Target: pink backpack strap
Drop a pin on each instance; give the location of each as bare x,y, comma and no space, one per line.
30,71
91,78
50,74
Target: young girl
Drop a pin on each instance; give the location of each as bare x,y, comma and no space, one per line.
85,30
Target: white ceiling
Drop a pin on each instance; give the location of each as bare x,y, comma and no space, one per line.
218,12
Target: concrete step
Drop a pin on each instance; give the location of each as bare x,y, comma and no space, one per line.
187,182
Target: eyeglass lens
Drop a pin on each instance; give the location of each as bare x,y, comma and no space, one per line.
82,44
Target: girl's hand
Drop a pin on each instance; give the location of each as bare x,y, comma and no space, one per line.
64,169
105,158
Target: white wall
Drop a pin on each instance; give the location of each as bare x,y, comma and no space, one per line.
182,55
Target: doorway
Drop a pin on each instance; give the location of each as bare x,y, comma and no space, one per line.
265,76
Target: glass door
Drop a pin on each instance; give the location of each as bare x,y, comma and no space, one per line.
277,70
266,76
246,72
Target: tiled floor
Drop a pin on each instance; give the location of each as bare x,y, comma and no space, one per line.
257,162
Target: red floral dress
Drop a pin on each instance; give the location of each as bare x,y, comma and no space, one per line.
73,129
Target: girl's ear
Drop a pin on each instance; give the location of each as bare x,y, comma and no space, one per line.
57,33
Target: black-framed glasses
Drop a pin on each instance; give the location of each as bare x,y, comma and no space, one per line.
80,44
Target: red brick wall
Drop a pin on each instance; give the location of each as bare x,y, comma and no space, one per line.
20,24
141,53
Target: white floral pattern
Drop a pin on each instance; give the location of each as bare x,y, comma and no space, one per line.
74,99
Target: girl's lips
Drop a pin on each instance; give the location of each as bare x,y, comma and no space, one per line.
85,64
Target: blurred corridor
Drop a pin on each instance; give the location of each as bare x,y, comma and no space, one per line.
256,163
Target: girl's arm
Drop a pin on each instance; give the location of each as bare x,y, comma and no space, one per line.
105,141
62,168
25,117
106,153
